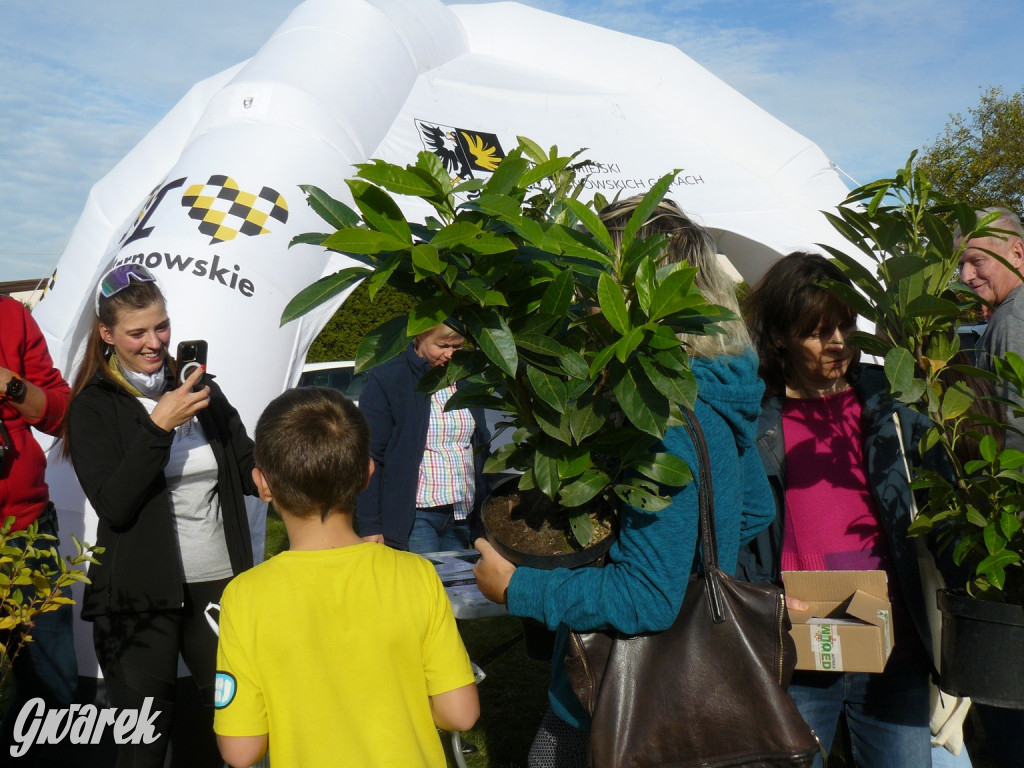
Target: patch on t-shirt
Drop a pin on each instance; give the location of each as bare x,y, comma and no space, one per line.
224,692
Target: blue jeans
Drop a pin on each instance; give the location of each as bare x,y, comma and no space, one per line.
887,713
943,758
436,530
46,667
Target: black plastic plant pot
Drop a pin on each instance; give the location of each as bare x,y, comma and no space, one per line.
982,649
538,640
571,559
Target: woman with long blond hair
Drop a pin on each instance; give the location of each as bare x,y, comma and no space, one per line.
165,465
641,588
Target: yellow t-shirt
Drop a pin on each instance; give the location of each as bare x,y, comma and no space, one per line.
334,654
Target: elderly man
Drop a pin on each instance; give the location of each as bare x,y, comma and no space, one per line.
999,284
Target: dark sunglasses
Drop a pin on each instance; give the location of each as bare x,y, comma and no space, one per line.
119,278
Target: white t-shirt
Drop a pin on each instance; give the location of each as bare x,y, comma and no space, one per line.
191,474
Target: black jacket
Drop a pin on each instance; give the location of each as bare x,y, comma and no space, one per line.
398,417
119,455
760,561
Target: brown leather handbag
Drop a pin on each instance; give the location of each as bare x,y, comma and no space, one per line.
708,691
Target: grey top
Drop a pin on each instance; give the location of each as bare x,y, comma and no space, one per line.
1005,333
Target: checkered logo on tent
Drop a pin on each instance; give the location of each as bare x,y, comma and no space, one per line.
224,211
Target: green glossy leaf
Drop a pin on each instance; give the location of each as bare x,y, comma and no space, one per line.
643,405
455,234
430,313
955,401
573,364
589,219
612,303
380,211
549,388
395,179
582,490
625,346
323,290
995,542
585,421
334,212
678,387
646,207
899,369
543,170
987,448
382,343
425,260
543,345
1009,524
601,359
491,332
545,474
925,305
673,294
642,499
358,240
666,469
558,295
645,285
582,528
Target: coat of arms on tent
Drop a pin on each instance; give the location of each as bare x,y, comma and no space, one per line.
462,151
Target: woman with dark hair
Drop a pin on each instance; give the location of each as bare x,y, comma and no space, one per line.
828,437
641,589
165,466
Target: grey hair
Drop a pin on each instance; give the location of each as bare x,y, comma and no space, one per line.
1006,220
690,243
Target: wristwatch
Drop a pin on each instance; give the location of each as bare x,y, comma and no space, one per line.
15,388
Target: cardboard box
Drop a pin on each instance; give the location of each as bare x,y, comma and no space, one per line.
848,626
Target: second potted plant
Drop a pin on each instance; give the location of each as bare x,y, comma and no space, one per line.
974,512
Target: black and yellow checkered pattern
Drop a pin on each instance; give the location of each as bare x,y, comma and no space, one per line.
223,210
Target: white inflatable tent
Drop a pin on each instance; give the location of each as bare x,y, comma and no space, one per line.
210,198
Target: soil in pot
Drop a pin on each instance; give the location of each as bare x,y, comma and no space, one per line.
529,524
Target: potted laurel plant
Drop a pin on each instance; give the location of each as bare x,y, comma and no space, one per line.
572,340
974,512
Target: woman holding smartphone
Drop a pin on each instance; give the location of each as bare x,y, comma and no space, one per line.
165,465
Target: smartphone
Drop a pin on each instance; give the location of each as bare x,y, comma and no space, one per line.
191,354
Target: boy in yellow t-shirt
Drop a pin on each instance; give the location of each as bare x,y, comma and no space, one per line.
336,651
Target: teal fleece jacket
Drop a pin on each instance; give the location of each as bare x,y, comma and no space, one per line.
641,588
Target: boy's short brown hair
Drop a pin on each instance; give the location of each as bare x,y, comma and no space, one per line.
313,448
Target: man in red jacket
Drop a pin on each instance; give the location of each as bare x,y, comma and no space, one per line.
32,394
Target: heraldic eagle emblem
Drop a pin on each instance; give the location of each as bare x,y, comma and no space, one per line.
461,151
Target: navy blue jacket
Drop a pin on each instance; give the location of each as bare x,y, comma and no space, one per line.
761,560
398,416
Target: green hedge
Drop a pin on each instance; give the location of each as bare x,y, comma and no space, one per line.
340,338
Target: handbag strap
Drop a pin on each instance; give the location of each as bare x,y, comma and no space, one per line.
708,539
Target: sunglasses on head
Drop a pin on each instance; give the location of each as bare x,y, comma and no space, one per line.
119,278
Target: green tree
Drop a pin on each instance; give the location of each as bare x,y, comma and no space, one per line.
980,157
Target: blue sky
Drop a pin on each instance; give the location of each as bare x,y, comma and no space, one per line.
867,80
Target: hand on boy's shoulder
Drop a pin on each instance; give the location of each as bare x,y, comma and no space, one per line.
377,538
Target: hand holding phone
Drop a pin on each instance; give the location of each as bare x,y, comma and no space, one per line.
191,355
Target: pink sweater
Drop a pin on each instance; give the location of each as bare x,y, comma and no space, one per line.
831,521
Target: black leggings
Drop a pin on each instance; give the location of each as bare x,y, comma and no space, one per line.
138,653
